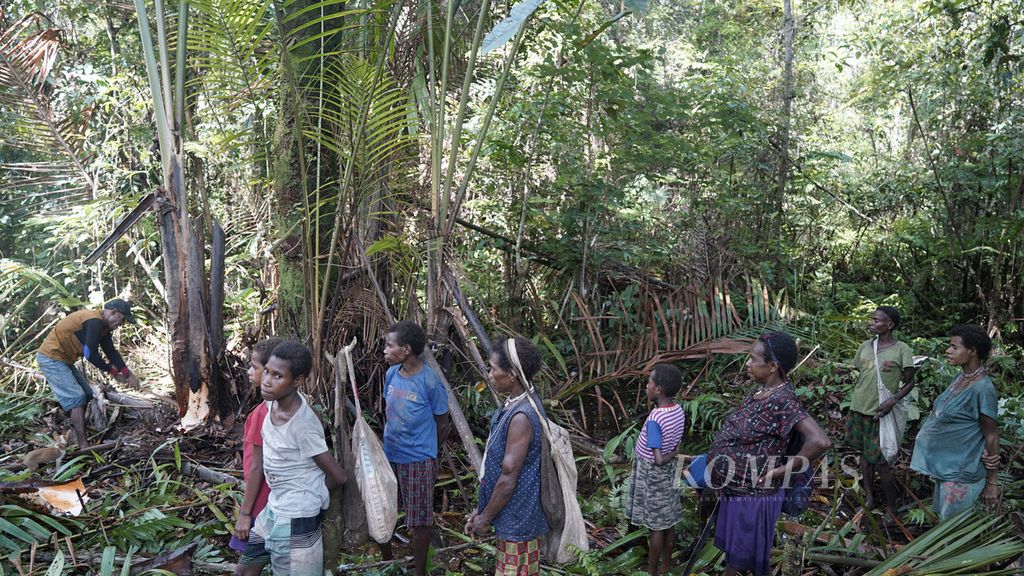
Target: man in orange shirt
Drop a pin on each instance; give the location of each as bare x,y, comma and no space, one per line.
83,334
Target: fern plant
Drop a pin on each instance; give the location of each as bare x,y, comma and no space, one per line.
148,530
16,411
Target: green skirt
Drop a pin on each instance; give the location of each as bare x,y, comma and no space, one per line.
653,497
862,436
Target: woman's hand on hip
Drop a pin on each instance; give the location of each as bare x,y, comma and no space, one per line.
767,480
991,495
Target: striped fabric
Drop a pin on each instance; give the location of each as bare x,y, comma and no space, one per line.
292,546
672,421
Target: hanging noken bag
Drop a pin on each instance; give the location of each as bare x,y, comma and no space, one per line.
550,491
573,531
892,425
377,483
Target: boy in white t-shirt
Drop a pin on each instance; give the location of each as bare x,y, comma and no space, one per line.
299,469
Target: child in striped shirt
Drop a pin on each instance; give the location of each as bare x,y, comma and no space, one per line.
653,500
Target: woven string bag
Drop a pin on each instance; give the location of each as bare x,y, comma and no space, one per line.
377,483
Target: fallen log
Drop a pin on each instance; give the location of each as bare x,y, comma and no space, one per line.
208,475
116,397
29,485
141,564
98,448
842,560
200,471
587,447
176,562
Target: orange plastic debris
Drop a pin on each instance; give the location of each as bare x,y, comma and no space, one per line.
68,498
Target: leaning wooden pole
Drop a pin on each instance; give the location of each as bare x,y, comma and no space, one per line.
346,518
471,318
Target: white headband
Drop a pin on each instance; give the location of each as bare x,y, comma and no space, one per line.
513,356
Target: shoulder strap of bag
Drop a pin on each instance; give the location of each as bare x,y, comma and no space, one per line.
883,392
543,417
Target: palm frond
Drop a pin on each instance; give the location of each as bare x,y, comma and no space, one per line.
692,323
357,95
27,60
15,275
968,543
21,528
233,45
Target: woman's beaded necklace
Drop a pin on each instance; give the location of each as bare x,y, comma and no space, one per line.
766,392
968,377
512,401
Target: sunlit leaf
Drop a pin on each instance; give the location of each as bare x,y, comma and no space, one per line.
504,31
638,6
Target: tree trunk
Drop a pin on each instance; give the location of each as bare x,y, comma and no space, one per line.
787,106
176,323
292,313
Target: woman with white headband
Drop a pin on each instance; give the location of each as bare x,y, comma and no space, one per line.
509,497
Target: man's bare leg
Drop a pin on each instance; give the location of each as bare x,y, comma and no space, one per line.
78,424
420,547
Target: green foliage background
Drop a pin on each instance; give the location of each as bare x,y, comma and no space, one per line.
631,161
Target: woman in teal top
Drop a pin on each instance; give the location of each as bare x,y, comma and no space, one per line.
958,446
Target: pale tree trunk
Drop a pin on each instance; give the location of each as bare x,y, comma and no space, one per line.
787,107
184,271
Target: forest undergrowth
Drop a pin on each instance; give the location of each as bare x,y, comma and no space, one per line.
626,182
160,500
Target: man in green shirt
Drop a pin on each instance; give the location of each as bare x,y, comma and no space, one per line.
895,366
